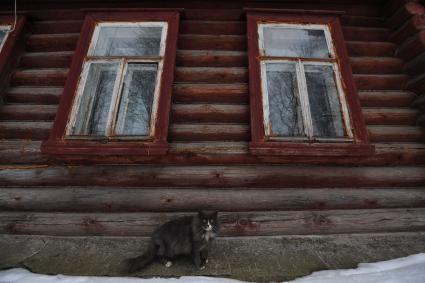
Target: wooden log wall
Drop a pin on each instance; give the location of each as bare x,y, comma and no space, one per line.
208,164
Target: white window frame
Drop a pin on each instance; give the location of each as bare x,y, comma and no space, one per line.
118,85
302,84
7,29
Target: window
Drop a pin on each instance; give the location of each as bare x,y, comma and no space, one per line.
118,95
301,87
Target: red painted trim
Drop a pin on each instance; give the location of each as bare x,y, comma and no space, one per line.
260,145
57,145
10,50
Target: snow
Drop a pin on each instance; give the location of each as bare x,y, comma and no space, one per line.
409,269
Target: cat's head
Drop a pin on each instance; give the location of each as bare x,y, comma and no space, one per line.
209,221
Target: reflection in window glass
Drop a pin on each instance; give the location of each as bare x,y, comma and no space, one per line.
128,41
95,99
324,102
295,42
134,114
3,33
285,118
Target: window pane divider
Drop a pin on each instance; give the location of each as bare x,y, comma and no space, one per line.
305,104
115,98
296,59
129,58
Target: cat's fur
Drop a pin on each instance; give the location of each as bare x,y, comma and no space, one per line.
190,235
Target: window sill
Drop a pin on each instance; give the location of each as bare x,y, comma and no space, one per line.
310,149
96,148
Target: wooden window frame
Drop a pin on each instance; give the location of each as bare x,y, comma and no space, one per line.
357,144
156,144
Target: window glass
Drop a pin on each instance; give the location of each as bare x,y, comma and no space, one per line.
96,99
134,114
285,118
295,42
128,41
324,103
3,33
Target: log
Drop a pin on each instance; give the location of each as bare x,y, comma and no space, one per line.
218,15
208,113
94,199
408,29
365,33
380,82
209,132
390,116
40,77
61,59
376,65
261,176
417,84
210,93
373,49
412,47
213,27
396,134
362,21
233,224
28,130
211,58
210,75
52,42
34,95
28,112
212,42
405,12
386,98
57,26
416,65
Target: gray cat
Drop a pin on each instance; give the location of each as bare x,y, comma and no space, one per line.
190,235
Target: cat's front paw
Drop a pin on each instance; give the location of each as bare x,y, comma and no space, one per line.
202,267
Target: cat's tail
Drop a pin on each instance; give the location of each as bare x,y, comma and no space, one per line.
138,263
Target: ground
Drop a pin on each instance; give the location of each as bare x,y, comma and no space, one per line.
245,258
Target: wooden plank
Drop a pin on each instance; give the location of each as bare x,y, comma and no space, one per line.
365,33
40,77
396,134
209,113
212,42
55,27
376,65
34,95
57,14
370,48
380,82
21,152
390,116
210,75
213,27
209,132
210,93
218,15
28,112
260,176
211,58
386,98
28,130
233,224
82,199
52,42
362,21
46,59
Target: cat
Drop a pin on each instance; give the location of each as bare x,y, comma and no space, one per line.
189,235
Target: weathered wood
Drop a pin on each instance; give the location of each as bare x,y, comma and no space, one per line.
376,65
211,58
56,14
416,65
386,98
365,33
417,84
214,176
28,112
233,224
40,77
34,95
396,134
211,75
21,152
212,42
218,15
209,132
412,47
25,130
208,113
49,199
404,12
210,93
390,116
52,42
362,21
46,60
380,82
408,29
213,27
58,26
373,49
